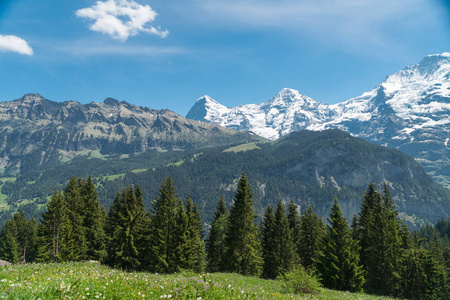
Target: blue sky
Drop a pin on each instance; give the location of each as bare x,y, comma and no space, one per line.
166,54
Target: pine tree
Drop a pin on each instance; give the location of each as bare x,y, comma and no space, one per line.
168,222
362,223
379,232
421,276
53,231
243,252
287,257
18,239
126,226
194,249
215,244
93,222
9,248
75,212
269,253
312,231
25,235
294,224
338,261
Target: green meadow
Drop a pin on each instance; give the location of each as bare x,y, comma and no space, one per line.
95,281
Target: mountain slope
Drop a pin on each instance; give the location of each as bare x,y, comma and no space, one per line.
36,132
307,166
409,111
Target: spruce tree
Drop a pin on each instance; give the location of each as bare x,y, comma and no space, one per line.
194,249
312,231
9,248
93,222
338,261
421,276
168,222
294,224
379,232
76,239
268,243
25,235
243,252
54,230
126,225
215,244
286,254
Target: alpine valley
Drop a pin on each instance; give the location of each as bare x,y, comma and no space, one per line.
409,111
290,147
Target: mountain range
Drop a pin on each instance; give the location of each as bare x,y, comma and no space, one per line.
309,167
408,111
43,143
36,132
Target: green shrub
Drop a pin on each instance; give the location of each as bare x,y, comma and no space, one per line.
299,281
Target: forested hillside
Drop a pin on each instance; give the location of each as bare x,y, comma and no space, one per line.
376,254
308,167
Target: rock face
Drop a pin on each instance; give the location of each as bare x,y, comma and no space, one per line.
35,131
409,111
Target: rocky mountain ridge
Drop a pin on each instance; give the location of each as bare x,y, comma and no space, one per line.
35,131
409,111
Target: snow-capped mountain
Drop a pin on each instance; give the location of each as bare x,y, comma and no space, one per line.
288,111
409,110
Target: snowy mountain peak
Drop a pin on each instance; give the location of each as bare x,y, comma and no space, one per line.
409,110
207,109
287,93
444,54
205,99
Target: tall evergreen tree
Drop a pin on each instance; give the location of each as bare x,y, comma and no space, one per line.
312,231
379,231
243,252
9,248
215,244
93,222
168,222
286,254
294,224
421,276
25,235
194,249
268,243
54,230
75,212
338,261
126,226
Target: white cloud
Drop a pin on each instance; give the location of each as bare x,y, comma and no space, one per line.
12,43
121,18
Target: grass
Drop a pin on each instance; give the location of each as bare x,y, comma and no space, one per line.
114,177
94,281
176,164
243,148
136,171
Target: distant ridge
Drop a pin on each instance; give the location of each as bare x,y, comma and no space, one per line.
35,131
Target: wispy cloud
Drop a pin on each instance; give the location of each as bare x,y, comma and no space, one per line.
90,48
121,18
347,24
143,51
12,43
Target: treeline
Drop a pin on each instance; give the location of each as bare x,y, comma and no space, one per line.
376,254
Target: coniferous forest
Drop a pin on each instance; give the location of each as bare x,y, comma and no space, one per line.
376,253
